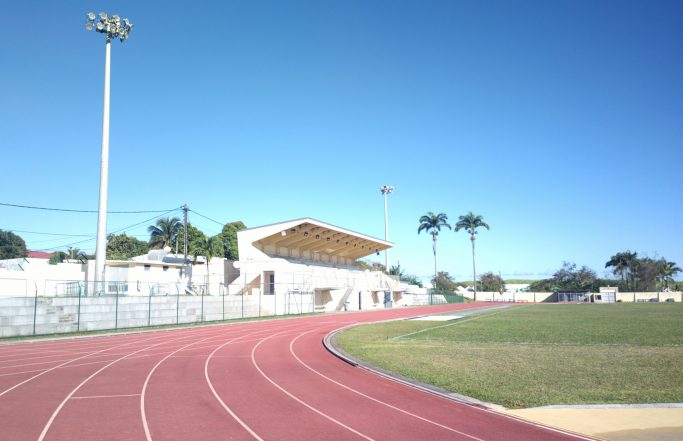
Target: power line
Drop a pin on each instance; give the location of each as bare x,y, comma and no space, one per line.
113,231
47,234
205,217
82,211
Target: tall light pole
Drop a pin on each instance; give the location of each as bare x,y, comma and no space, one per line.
112,27
386,189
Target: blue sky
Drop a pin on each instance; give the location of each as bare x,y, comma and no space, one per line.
560,122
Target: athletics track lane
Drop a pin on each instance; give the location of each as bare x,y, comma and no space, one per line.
257,380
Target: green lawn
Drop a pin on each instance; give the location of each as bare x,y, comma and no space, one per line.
535,355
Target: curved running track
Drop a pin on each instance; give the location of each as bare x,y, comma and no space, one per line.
269,380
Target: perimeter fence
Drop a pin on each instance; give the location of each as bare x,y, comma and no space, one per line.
437,297
67,306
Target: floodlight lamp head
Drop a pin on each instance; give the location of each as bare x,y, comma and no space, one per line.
386,189
113,26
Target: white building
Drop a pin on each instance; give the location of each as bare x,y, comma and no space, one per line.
309,256
280,266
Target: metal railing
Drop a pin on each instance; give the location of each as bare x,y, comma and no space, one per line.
437,297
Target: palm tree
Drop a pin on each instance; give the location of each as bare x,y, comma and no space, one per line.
668,271
165,232
76,254
620,263
632,265
432,223
470,222
207,247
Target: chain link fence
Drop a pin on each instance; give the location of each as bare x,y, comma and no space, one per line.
65,306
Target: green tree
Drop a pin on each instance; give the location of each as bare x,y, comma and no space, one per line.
12,245
165,232
470,222
58,257
74,253
209,248
620,263
194,236
444,282
492,283
669,270
569,277
632,265
648,273
121,246
431,223
410,279
228,238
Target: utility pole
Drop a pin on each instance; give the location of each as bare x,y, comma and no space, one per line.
112,27
386,189
185,231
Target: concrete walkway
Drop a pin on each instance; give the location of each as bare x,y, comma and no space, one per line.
612,423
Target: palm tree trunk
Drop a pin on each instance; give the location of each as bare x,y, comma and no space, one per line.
436,274
474,270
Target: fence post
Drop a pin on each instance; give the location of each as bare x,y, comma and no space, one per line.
35,309
224,305
177,308
201,318
149,309
78,316
116,317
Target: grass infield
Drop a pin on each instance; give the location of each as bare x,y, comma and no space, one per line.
536,355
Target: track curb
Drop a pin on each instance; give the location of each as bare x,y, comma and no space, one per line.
330,343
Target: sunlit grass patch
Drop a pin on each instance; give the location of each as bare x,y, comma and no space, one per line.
538,354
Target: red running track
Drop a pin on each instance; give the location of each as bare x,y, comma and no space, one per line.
270,380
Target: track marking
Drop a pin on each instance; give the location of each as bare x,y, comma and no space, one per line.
319,412
65,363
456,322
40,362
61,405
291,350
220,400
143,414
104,396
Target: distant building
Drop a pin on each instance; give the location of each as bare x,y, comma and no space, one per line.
39,255
278,263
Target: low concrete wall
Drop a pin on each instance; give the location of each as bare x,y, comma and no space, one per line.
50,315
545,297
677,296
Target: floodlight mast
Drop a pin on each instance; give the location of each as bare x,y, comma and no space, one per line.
112,27
386,189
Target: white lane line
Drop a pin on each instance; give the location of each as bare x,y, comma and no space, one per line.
35,357
42,362
220,400
291,350
61,405
457,322
143,414
67,362
319,412
104,396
